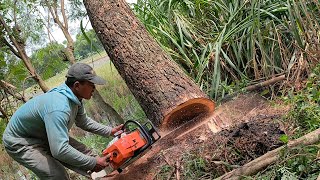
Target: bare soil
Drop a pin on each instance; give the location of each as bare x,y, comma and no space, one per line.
238,131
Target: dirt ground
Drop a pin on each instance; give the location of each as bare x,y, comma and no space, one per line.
238,131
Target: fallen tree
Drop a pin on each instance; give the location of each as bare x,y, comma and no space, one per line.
271,157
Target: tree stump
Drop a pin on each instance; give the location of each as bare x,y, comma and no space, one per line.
166,94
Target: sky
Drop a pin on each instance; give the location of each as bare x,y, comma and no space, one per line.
74,28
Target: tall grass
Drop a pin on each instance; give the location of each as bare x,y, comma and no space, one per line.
224,41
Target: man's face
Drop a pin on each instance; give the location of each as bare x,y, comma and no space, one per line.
84,90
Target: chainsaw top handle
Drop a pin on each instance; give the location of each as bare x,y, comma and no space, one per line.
147,130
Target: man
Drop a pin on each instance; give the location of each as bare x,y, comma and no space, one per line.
37,134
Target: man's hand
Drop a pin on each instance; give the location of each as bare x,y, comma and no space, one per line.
116,129
102,162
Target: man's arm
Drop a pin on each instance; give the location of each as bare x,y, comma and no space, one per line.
58,138
88,124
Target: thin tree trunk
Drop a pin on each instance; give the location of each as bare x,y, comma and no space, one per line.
271,157
68,51
167,96
265,83
20,50
113,117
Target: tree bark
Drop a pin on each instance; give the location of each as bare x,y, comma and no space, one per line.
3,114
7,87
260,163
167,96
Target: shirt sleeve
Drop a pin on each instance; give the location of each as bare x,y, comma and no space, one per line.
88,124
56,126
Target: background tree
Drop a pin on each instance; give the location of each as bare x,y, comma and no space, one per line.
53,6
13,35
63,24
47,60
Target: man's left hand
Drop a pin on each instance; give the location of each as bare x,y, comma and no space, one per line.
116,129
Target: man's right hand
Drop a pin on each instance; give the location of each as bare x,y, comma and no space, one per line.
101,163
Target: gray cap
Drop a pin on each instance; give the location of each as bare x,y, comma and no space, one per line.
83,71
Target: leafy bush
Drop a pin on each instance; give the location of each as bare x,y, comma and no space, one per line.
306,104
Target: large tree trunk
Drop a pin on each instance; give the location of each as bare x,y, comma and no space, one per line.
165,93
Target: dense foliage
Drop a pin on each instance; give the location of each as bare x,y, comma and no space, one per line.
48,61
221,42
14,71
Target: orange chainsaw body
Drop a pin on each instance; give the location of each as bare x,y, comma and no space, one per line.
124,148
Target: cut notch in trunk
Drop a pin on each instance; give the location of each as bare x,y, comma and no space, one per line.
187,111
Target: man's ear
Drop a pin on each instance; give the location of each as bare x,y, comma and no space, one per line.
76,84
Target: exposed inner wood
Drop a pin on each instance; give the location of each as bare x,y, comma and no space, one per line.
186,112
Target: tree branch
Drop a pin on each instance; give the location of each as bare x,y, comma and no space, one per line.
12,49
271,157
7,86
63,12
47,25
265,83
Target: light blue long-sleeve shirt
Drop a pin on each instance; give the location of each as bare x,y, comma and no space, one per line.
46,120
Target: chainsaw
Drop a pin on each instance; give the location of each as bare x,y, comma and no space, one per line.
130,143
